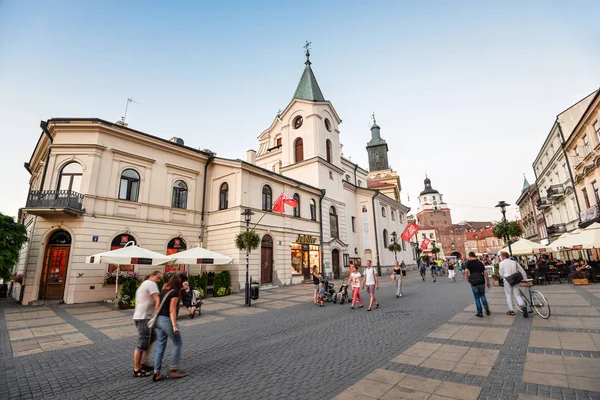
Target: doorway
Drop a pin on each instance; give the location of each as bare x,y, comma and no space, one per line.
56,262
335,262
266,260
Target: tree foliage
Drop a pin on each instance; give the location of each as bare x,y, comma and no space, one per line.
13,236
435,250
512,229
394,247
247,240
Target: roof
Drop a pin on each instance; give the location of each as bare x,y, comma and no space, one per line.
376,139
477,225
525,184
308,88
377,184
479,234
428,189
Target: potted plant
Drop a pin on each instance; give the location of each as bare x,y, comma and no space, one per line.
496,274
121,302
127,295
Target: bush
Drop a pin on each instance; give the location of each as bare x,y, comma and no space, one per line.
195,281
203,281
221,291
128,289
218,283
226,279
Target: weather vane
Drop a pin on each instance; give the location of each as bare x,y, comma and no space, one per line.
307,48
373,117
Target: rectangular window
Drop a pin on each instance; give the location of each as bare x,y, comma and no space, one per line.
423,236
597,129
431,236
585,198
353,224
586,143
596,194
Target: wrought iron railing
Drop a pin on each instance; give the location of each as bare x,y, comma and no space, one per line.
590,214
555,190
556,229
55,199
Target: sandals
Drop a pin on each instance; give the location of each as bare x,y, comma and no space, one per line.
141,373
147,367
376,305
175,373
159,377
510,313
369,309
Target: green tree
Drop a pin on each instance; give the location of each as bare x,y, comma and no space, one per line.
13,236
512,229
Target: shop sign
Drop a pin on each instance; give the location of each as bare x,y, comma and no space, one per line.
306,239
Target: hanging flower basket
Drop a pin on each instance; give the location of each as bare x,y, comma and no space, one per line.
247,240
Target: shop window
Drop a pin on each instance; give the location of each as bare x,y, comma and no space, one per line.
313,210
267,198
129,186
385,238
333,223
70,177
299,150
328,150
224,196
118,243
180,193
174,246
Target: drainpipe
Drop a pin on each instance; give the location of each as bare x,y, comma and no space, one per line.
321,196
537,188
355,180
44,126
562,137
375,225
210,159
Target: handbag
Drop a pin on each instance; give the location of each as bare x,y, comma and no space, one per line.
513,279
476,278
152,321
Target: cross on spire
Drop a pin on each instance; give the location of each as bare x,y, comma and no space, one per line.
307,48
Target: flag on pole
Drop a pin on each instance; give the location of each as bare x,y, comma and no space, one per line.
425,243
281,201
409,232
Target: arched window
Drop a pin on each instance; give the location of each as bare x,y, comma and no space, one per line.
385,238
383,212
327,125
129,187
224,196
180,193
333,223
297,208
117,243
328,149
174,246
70,177
400,217
359,183
347,178
313,210
299,150
393,215
267,198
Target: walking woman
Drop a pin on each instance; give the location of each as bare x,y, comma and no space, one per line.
399,277
316,281
166,328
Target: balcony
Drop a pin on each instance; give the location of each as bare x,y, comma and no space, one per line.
590,214
556,229
555,191
542,202
53,202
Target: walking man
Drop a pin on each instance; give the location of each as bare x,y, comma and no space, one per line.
434,271
478,277
423,269
506,268
371,280
146,303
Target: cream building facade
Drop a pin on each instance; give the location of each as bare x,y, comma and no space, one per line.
95,185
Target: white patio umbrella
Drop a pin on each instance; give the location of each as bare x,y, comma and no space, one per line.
130,254
589,238
522,247
562,240
199,255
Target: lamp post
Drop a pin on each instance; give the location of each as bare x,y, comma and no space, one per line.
502,205
247,217
432,250
394,240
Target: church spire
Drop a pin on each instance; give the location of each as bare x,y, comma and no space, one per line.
525,183
308,88
377,149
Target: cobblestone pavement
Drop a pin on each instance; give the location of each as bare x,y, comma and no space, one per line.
424,345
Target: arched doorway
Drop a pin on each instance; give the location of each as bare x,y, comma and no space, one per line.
117,243
335,262
457,255
266,260
56,263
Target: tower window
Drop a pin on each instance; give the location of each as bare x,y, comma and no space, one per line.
298,122
328,150
299,150
327,125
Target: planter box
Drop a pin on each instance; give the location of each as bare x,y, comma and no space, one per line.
581,282
124,306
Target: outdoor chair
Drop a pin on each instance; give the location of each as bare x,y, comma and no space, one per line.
540,275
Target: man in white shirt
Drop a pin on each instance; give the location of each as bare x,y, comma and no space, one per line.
371,280
506,268
147,302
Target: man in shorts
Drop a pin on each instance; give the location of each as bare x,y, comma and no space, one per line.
147,302
423,269
433,266
371,280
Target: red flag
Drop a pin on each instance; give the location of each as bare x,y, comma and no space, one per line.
425,243
284,198
409,232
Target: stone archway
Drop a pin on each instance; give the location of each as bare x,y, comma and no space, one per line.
457,255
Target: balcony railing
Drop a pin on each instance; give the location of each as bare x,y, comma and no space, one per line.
556,229
542,202
54,201
555,191
590,214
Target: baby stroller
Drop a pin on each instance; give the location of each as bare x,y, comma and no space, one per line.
330,293
342,296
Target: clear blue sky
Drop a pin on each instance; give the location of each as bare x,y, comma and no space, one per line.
463,89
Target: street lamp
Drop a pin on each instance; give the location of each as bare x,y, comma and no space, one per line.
247,217
502,205
395,239
433,249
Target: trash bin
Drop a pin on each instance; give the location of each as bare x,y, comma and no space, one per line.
254,286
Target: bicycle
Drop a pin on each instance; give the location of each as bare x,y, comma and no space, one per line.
536,301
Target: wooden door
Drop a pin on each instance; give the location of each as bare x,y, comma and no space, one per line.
266,260
335,261
54,273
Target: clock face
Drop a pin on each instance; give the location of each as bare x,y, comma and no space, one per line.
435,203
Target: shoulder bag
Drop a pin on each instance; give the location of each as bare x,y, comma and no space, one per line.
152,321
513,279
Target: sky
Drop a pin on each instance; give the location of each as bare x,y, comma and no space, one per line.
465,91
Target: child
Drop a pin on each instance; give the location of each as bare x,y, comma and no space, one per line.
321,294
355,280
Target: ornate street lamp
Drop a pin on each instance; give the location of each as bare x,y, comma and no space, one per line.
502,205
247,217
394,240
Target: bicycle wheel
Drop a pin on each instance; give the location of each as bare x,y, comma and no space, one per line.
540,304
516,303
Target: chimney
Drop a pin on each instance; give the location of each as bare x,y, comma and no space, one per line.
177,140
251,157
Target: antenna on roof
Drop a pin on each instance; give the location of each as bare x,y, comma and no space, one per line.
129,100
